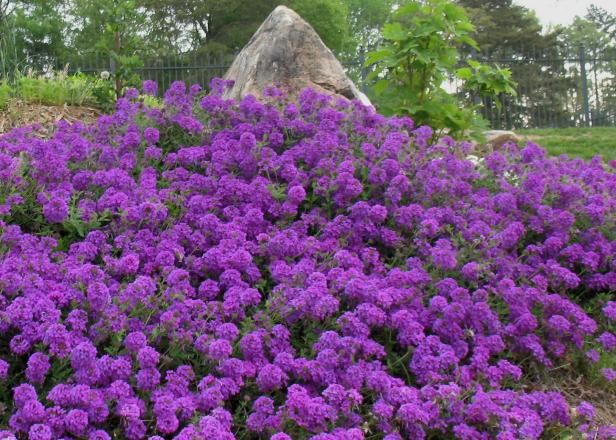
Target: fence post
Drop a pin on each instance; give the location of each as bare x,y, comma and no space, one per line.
112,65
364,71
584,78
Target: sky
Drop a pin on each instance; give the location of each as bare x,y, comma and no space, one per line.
552,12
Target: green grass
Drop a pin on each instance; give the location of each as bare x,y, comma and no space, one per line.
575,142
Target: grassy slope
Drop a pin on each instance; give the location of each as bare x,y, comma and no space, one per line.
575,142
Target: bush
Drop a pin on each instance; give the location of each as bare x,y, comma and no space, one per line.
60,88
419,54
55,88
277,270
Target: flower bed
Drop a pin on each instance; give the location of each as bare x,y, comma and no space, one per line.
220,270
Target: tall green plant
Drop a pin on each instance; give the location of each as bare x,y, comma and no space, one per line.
419,53
8,47
5,95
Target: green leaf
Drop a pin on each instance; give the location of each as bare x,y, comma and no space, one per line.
394,32
464,73
380,86
379,55
278,192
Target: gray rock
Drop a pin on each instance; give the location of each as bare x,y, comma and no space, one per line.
286,51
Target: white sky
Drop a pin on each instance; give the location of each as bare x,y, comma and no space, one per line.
551,12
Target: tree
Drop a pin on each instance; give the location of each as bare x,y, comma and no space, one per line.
329,18
604,21
39,27
230,24
115,29
511,35
31,31
420,51
504,27
365,21
593,37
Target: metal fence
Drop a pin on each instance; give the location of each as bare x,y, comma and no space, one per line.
557,86
560,86
193,68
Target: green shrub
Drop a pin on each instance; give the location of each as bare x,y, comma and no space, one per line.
40,91
5,95
103,94
60,88
420,52
78,89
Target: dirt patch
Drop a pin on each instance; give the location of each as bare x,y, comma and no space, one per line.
576,387
20,114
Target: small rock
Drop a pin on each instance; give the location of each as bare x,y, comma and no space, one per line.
497,138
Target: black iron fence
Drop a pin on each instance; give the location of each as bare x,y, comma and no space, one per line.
560,86
557,86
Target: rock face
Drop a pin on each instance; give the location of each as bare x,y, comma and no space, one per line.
286,51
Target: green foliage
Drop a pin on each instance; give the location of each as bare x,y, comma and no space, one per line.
8,47
505,30
487,81
419,53
195,23
5,95
125,74
116,28
59,89
40,27
103,94
328,17
603,20
365,20
55,89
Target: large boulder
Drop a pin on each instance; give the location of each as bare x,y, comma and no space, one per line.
286,51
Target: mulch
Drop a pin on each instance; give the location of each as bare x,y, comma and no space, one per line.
20,114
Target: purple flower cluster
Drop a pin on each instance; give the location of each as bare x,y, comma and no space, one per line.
310,269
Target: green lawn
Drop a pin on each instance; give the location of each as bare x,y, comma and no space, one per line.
575,142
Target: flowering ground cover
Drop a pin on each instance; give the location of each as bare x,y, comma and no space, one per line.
309,270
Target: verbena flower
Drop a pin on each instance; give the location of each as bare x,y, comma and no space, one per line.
305,269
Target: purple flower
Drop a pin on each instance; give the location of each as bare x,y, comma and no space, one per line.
135,341
297,194
586,410
149,87
38,366
593,355
98,296
219,349
40,432
148,379
607,340
99,435
609,374
76,422
151,135
610,310
4,369
404,300
271,378
55,210
83,356
148,357
23,394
